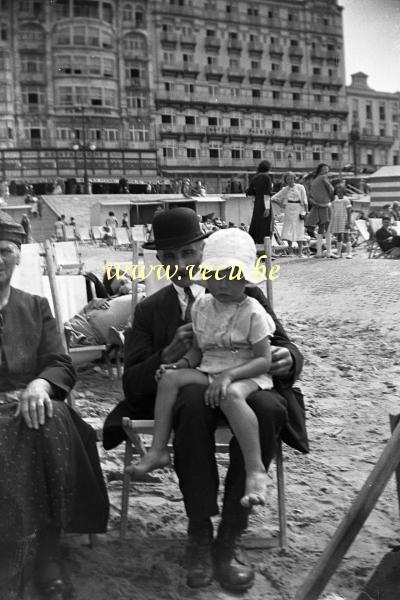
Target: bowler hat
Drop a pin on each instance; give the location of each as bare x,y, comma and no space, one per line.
10,230
175,228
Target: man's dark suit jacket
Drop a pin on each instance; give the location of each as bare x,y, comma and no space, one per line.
155,323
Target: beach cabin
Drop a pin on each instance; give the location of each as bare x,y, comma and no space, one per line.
385,186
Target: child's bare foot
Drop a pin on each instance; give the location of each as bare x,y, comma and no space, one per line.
153,459
256,484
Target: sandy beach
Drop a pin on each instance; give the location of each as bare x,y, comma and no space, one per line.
344,316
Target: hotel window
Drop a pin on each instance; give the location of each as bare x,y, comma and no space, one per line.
190,120
110,97
191,152
166,119
382,113
257,154
236,153
296,97
214,152
233,63
256,93
368,111
255,65
140,133
276,124
127,13
65,96
189,88
276,95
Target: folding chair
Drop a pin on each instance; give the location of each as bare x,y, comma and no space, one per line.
70,234
66,257
139,235
84,235
374,250
134,443
28,275
363,232
68,296
121,238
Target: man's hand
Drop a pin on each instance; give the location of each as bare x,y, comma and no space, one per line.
160,372
100,303
181,342
216,391
282,361
35,404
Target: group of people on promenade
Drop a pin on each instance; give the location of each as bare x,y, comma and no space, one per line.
325,209
242,371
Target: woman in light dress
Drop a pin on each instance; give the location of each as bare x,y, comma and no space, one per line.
293,199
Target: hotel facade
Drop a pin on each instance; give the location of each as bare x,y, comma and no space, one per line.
170,88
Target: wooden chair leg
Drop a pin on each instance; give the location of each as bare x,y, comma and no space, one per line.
281,496
125,490
108,364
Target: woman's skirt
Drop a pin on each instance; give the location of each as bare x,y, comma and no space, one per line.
319,215
50,476
293,226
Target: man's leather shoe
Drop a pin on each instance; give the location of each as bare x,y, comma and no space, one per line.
199,559
231,569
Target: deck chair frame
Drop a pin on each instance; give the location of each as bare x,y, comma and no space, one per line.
66,257
134,428
61,317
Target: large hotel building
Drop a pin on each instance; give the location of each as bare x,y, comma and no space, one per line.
170,88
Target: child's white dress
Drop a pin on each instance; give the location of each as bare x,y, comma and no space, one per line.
339,215
225,332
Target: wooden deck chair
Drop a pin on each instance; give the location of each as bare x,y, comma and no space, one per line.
84,235
70,235
69,296
97,234
139,235
279,245
121,238
363,232
134,444
374,250
28,275
152,282
67,257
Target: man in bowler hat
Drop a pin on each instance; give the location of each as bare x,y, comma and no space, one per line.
162,333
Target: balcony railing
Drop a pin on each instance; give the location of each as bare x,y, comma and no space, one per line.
318,55
212,43
235,75
188,40
275,50
214,72
298,78
277,77
167,37
296,52
255,48
235,45
257,75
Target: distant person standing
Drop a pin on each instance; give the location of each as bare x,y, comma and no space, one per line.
26,224
322,192
341,220
111,221
293,199
60,230
261,188
125,221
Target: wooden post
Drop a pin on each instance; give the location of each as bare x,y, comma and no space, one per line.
268,264
394,420
135,261
353,521
54,292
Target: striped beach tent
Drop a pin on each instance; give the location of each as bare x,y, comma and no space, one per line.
385,186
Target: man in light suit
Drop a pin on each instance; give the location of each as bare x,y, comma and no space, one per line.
160,335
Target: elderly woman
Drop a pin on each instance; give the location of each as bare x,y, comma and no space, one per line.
293,199
261,188
50,477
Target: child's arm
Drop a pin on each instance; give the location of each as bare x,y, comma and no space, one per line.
259,365
191,358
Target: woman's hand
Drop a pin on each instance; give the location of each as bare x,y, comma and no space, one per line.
35,403
100,303
216,391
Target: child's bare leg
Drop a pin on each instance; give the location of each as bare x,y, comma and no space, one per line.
244,425
168,388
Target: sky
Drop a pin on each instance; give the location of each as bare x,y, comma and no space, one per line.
372,41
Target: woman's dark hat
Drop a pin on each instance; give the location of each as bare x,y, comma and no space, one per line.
175,228
10,230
